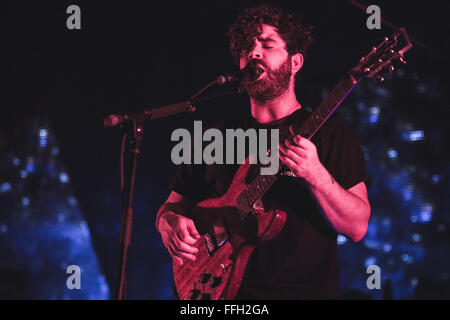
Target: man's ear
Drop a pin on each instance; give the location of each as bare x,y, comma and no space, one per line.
296,62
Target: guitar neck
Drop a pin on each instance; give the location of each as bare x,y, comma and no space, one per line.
261,184
323,112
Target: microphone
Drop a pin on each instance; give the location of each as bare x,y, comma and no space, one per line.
251,72
117,119
112,120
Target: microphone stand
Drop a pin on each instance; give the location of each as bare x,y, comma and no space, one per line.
133,134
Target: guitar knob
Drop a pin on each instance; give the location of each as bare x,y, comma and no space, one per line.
226,267
204,277
194,294
217,281
206,296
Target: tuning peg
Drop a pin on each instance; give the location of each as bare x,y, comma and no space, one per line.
380,78
402,60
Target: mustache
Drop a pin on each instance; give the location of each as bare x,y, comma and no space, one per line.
259,63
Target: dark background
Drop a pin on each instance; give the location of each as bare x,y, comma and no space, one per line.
131,55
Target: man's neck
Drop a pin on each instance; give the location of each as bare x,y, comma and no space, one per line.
278,108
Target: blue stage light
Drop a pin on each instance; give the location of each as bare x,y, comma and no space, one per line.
43,133
23,174
392,153
370,261
30,167
42,142
5,187
25,201
341,239
72,201
63,177
426,213
16,161
435,178
407,258
417,135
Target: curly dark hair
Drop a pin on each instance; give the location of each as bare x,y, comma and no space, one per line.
248,25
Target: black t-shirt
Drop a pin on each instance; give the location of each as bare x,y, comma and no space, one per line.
301,262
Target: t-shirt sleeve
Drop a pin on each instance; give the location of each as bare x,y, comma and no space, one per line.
342,155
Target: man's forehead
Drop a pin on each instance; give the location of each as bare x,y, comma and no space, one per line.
269,32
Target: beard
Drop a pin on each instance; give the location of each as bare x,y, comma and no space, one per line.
273,85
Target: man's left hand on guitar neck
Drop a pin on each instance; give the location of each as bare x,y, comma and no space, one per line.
348,211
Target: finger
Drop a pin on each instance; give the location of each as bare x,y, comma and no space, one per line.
180,253
183,246
281,150
291,142
192,230
289,162
299,150
173,253
302,142
291,130
175,257
287,153
185,236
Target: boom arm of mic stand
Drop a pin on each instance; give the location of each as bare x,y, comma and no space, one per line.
162,112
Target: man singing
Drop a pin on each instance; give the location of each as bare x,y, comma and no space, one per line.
323,188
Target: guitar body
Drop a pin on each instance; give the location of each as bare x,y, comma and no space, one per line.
226,244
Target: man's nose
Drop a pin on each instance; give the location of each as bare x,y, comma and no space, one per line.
255,53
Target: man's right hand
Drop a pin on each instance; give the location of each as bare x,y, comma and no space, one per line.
178,235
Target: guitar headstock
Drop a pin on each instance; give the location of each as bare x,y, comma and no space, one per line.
380,58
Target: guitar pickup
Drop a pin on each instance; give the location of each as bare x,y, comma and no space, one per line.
215,239
243,205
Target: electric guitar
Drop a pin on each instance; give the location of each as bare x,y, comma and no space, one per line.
231,226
